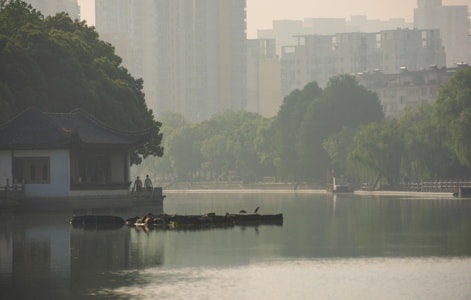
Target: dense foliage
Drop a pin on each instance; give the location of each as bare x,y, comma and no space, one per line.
339,130
453,113
57,64
289,147
342,104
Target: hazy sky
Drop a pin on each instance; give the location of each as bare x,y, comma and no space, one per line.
260,13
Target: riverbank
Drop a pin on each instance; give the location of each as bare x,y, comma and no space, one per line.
278,188
406,194
237,185
309,191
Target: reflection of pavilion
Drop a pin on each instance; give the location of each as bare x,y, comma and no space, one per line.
108,259
34,258
41,257
71,158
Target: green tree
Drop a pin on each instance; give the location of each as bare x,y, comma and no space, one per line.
161,167
426,155
452,111
229,145
265,146
58,64
338,146
378,149
241,145
185,146
287,125
217,158
343,103
171,122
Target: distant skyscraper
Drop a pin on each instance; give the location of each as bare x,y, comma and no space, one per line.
263,78
285,32
406,88
453,23
191,54
52,7
320,57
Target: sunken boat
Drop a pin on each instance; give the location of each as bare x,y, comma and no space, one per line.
209,220
165,221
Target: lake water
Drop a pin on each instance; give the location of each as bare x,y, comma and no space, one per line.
342,247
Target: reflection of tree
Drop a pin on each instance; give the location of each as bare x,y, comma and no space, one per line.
364,226
452,111
102,259
32,264
35,247
51,261
146,249
58,64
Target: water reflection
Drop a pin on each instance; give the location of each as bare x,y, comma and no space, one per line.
34,256
346,278
42,256
349,226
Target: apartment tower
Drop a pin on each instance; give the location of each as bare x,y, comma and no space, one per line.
52,7
190,53
453,23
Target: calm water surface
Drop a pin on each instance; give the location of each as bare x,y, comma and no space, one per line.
343,247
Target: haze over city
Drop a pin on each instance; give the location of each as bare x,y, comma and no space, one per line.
261,13
235,149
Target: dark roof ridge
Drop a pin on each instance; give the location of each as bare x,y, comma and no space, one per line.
23,130
33,109
34,128
90,117
36,112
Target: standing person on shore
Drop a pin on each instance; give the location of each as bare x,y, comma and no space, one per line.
137,184
148,184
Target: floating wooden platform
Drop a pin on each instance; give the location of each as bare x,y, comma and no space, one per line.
205,221
164,221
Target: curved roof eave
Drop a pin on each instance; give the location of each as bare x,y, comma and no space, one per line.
33,129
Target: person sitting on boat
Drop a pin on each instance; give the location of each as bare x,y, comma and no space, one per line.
148,184
137,184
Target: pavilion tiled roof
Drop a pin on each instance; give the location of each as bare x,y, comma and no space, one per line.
33,129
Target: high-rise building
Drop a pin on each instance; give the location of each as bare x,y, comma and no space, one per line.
412,49
263,77
405,88
52,7
191,54
320,57
453,23
286,31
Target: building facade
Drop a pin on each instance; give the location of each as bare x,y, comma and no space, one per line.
405,88
286,31
52,7
190,54
453,23
320,57
263,77
66,155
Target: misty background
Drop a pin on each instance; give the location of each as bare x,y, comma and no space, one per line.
199,67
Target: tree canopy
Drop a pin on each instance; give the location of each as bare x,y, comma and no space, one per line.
287,125
339,129
58,64
343,103
378,147
453,112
